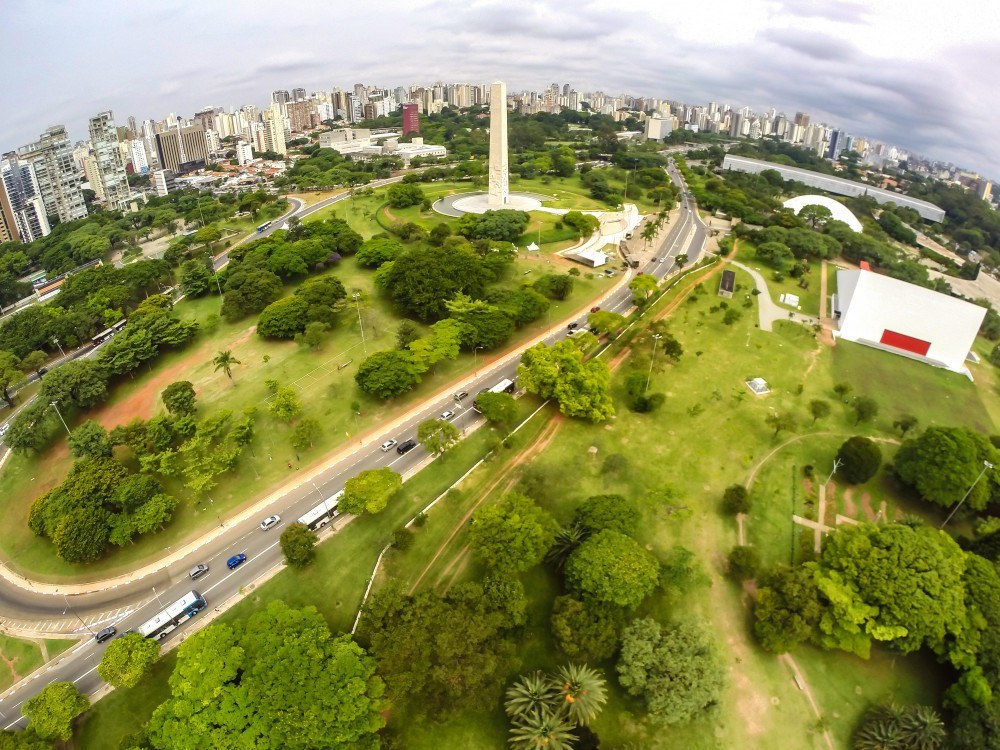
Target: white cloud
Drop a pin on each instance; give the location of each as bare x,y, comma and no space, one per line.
915,72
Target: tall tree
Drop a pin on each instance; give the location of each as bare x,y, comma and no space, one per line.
179,398
90,440
280,681
613,569
437,436
224,361
370,491
52,711
512,534
127,659
676,670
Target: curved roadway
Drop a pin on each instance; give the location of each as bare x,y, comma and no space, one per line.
128,604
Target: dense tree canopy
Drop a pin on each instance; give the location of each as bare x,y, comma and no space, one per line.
943,462
388,374
512,534
52,711
859,459
676,670
370,491
582,388
613,569
127,659
278,680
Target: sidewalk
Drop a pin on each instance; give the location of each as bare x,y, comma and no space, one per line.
260,507
769,311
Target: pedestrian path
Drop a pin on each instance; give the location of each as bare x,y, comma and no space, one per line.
768,310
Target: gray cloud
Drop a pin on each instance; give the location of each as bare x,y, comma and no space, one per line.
810,55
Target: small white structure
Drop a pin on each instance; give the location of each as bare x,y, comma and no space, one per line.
839,210
758,386
588,256
906,319
787,298
532,248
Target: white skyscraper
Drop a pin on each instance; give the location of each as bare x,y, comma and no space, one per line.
58,180
110,165
499,180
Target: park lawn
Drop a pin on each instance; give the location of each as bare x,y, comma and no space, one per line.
20,657
123,712
710,441
327,390
904,386
334,584
808,298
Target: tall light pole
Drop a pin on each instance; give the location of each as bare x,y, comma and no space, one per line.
157,597
55,406
357,302
76,614
56,342
656,337
326,505
986,465
475,357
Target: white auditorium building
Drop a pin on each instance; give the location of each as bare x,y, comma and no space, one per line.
905,319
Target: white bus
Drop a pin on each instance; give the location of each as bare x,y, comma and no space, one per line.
322,514
504,386
183,609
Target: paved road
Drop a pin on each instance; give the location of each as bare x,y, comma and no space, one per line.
129,605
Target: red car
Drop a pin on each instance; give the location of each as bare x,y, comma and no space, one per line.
595,308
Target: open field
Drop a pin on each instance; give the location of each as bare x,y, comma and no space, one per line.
710,433
20,657
327,390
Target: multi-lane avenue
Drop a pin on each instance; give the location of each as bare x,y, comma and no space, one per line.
132,602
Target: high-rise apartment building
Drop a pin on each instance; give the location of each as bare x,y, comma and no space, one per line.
22,212
300,115
58,179
298,95
411,119
182,149
280,97
274,130
110,165
137,154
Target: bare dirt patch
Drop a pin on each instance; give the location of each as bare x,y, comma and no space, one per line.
850,509
144,402
866,506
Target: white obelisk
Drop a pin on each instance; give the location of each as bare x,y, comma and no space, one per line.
499,193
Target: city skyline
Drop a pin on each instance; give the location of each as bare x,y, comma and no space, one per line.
919,79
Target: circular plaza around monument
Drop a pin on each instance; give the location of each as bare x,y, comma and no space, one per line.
479,202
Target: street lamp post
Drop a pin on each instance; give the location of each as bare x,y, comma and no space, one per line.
326,505
986,465
76,614
216,274
157,596
55,406
656,337
56,342
361,325
475,357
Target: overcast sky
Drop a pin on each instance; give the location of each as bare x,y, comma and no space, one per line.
920,73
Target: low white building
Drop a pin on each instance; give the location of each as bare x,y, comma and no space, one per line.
906,319
838,210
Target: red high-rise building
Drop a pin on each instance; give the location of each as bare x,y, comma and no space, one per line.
411,119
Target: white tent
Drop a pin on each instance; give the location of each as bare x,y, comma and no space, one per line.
532,248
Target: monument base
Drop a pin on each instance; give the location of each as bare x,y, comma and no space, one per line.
478,203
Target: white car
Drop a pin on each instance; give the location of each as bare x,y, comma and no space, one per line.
446,415
269,523
387,445
4,428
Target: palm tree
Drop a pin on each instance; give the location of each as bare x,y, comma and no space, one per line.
542,729
648,232
880,729
921,728
532,693
567,540
224,361
582,690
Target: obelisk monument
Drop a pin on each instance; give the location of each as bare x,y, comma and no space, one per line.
499,192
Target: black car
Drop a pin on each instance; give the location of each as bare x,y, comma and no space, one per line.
406,446
105,634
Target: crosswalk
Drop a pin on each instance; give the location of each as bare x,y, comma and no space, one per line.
70,625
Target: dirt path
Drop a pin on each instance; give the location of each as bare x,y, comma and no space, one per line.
507,478
800,680
822,290
760,464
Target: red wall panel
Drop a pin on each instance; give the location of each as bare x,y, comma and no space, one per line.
904,342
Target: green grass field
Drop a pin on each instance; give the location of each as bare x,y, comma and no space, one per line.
20,657
710,433
326,388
